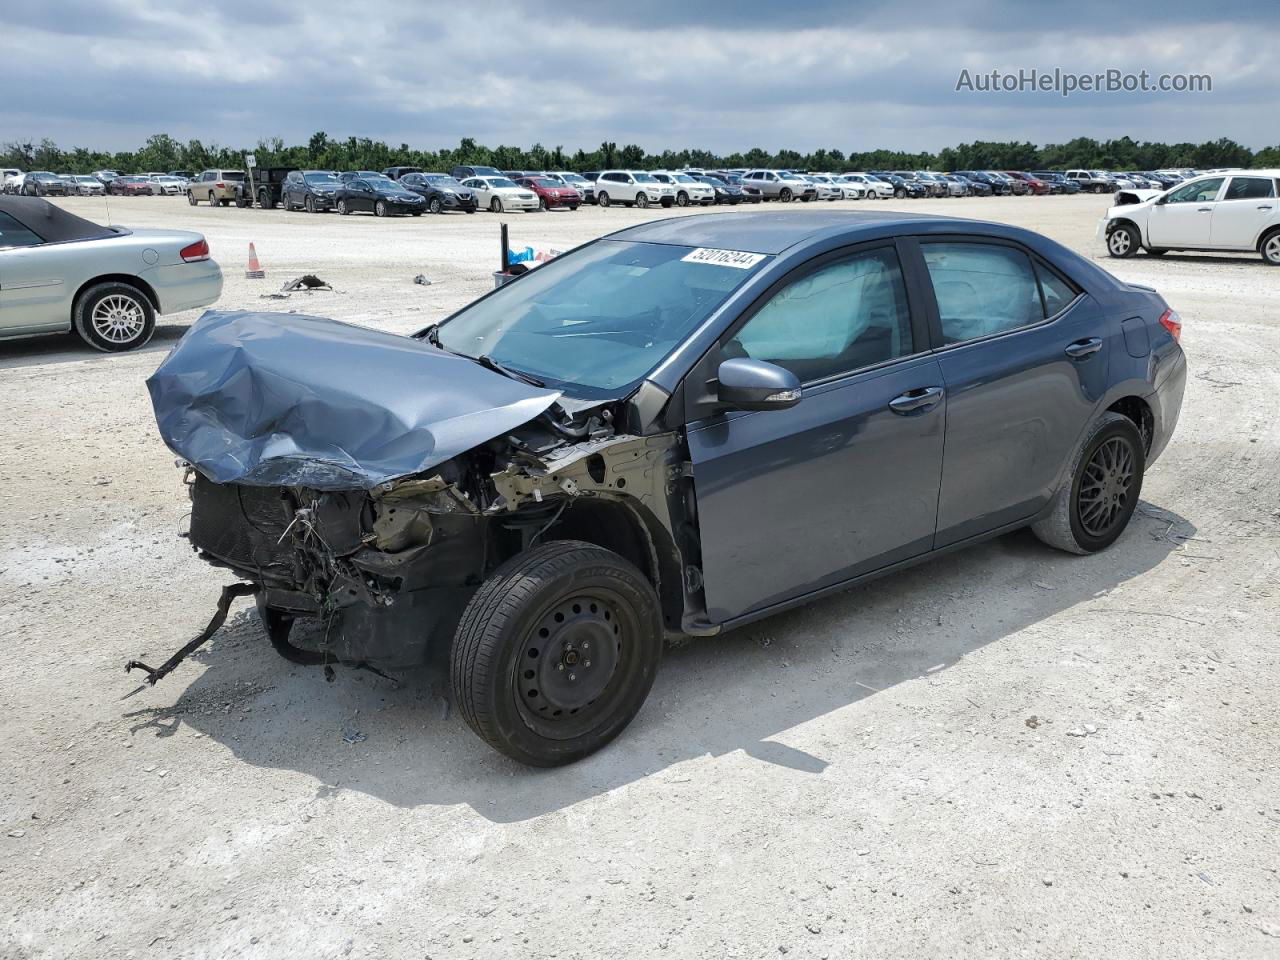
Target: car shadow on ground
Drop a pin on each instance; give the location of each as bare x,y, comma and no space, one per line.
69,348
403,743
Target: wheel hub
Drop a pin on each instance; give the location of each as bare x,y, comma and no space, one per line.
1104,488
570,657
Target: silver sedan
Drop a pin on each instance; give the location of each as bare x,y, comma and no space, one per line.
59,272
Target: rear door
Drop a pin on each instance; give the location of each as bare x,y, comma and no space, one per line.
1247,206
1023,354
1185,219
845,482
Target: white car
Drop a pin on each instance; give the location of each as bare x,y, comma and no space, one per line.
633,188
1230,212
61,272
826,189
11,180
688,189
875,186
499,194
168,186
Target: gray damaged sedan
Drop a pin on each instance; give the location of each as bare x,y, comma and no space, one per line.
60,272
674,430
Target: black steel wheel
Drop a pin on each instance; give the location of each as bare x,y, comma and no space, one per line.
556,652
1098,498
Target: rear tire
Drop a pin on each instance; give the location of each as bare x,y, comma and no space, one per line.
1270,248
1094,504
113,317
521,665
265,201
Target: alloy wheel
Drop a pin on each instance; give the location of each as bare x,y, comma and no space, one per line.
118,319
1119,242
1104,487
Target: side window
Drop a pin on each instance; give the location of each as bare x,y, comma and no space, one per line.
981,289
844,316
1250,188
14,234
1200,191
1056,291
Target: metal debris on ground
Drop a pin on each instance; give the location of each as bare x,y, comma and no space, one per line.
307,283
421,280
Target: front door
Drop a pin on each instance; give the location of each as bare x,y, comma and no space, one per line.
1245,209
1024,362
33,292
845,482
1185,219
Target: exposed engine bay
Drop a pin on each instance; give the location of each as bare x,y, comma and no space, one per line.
372,482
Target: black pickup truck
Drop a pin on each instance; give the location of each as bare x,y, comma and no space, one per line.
262,184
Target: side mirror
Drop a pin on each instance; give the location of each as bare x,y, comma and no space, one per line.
746,384
1161,201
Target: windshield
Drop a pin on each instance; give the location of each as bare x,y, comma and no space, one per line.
645,178
597,320
320,178
442,181
500,182
544,182
573,178
685,178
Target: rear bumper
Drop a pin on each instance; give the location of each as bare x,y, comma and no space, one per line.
185,286
1166,402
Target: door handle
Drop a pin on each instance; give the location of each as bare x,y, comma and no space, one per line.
1084,348
922,398
1204,209
1264,206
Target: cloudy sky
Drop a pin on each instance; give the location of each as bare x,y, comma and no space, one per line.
854,76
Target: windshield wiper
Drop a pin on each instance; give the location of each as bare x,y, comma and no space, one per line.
488,362
432,335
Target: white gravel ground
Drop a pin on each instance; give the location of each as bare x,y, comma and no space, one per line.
892,772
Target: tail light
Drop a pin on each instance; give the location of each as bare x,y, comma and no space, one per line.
220,185
1173,323
196,251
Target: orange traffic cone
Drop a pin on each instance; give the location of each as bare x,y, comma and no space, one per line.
255,271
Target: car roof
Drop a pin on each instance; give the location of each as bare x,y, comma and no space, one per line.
768,233
51,223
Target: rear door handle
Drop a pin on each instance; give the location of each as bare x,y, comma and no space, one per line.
1204,210
1084,348
1264,206
922,398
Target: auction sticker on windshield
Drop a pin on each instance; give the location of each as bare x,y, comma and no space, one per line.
738,259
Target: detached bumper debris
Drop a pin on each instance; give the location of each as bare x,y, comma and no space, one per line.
229,593
307,283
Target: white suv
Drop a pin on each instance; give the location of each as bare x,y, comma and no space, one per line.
688,190
634,188
780,185
1236,211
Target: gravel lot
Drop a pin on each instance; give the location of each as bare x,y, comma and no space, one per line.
1005,752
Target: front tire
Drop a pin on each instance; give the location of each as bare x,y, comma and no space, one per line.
342,208
556,652
435,206
785,195
1094,505
1123,241
602,200
380,209
642,201
682,199
309,204
495,205
191,198
114,317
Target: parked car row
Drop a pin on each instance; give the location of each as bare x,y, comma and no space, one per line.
43,183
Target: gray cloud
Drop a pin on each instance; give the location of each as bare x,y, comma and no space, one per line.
108,74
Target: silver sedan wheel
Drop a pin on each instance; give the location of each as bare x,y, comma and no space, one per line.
1119,242
118,319
1271,249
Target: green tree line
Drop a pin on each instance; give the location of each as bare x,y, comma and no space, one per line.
162,152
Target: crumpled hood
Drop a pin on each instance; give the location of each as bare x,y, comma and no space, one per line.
280,399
